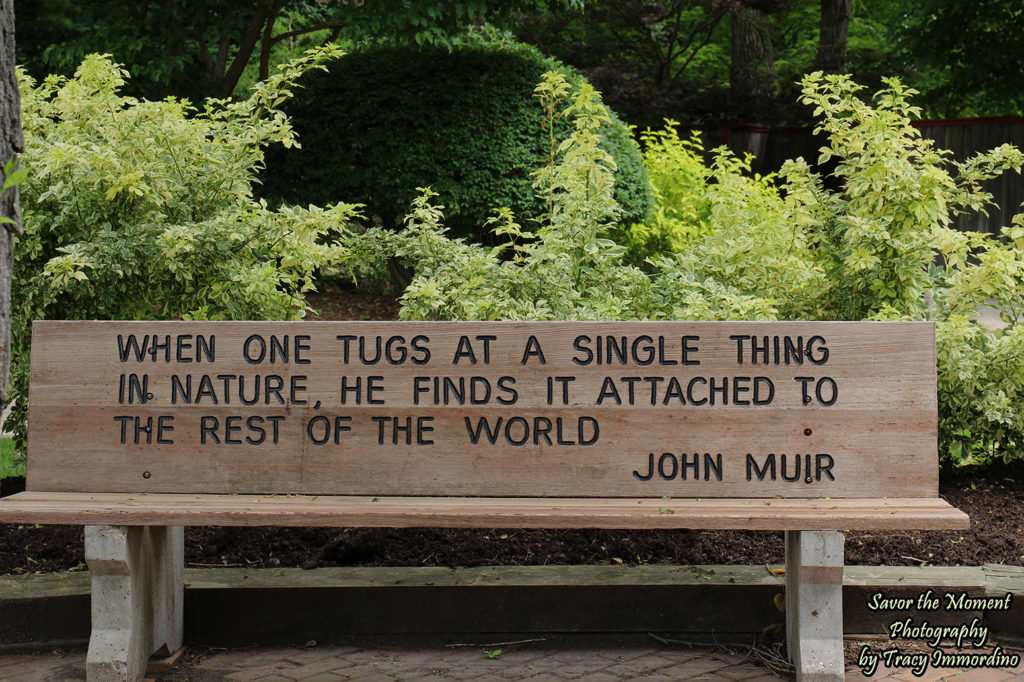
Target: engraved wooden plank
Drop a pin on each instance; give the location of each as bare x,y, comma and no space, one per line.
599,409
439,512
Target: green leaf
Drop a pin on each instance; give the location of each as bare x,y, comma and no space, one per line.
15,178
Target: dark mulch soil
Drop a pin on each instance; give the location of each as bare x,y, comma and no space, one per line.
338,304
994,501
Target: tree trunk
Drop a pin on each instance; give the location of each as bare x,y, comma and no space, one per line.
835,25
11,142
752,72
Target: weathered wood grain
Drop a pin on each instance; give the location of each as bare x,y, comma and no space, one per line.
876,439
461,512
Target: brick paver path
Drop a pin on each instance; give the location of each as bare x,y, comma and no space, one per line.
389,664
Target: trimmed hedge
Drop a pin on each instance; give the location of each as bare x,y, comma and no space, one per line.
387,120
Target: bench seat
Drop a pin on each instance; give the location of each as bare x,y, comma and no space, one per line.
155,509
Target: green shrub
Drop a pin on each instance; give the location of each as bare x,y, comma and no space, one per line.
981,370
679,181
386,120
569,269
10,466
773,248
144,210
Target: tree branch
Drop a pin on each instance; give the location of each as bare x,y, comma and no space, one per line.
706,27
268,30
711,26
267,13
309,29
222,58
676,11
204,50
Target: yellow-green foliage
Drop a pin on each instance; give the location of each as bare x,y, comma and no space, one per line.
759,242
981,371
764,248
144,210
757,237
679,180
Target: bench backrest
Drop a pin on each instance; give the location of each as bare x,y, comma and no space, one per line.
561,409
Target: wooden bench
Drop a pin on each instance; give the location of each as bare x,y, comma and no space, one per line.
140,428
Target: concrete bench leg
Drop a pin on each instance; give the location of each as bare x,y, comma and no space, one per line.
814,604
137,598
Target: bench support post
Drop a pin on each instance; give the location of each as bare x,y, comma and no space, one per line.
814,604
137,598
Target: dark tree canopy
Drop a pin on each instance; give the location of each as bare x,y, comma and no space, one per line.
199,48
968,53
696,60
